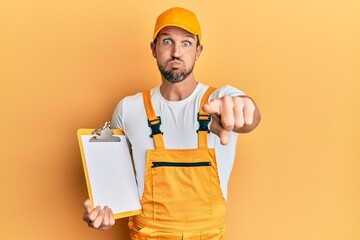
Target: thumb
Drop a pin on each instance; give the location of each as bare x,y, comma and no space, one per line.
217,129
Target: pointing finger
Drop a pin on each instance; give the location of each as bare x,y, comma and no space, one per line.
217,129
213,107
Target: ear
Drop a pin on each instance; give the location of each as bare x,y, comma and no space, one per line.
198,51
153,47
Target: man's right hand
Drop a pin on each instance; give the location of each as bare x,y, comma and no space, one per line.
98,218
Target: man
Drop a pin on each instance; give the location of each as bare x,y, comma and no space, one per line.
181,181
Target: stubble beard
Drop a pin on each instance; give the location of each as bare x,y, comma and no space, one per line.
174,75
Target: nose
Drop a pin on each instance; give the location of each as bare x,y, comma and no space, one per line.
176,51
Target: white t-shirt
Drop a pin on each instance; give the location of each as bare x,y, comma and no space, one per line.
179,125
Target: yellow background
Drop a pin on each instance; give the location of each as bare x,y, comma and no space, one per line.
66,64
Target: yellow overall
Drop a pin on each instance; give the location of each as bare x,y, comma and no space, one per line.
182,197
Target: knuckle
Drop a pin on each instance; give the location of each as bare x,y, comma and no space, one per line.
252,108
228,126
227,99
249,103
240,101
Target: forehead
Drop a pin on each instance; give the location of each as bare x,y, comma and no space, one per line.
175,31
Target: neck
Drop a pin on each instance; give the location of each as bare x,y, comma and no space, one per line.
178,91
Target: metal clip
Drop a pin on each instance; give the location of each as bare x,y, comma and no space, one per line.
104,134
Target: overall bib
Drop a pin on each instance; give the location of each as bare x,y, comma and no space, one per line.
182,197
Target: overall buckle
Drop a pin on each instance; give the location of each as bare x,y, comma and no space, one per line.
203,120
155,127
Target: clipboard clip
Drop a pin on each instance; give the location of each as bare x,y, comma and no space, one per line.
104,134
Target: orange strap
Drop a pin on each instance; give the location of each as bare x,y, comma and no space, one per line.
202,135
154,120
205,99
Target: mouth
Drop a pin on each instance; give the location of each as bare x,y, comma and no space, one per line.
175,63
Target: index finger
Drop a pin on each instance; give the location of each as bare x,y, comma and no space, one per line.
213,107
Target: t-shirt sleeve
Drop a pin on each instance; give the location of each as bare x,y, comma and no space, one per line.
227,91
118,116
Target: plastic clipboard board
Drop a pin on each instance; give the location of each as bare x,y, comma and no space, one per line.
109,173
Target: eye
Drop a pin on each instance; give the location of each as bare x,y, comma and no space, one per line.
167,41
186,44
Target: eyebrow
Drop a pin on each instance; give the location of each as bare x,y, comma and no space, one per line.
187,35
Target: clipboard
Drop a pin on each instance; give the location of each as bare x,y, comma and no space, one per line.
109,173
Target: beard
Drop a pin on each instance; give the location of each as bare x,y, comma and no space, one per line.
174,75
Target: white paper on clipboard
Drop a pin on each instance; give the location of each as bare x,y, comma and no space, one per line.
109,173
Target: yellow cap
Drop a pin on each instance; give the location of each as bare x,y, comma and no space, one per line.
178,17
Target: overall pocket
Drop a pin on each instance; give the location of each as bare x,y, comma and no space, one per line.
181,190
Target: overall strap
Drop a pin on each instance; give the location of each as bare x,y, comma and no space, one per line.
154,121
204,119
